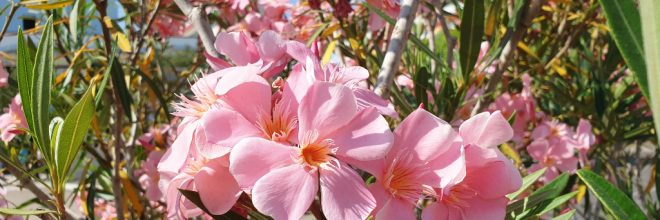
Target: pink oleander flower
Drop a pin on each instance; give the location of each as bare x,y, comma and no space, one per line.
157,137
550,157
390,7
267,54
424,147
524,106
4,75
149,180
558,135
13,121
479,189
309,70
583,140
284,179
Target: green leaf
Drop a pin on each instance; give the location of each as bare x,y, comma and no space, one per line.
119,83
72,132
527,182
472,31
8,211
614,201
24,66
554,203
623,20
565,216
550,190
651,33
73,20
42,78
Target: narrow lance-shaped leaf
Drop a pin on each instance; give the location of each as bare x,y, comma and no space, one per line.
527,182
650,9
24,66
8,211
472,30
74,19
72,132
42,78
624,23
119,83
614,201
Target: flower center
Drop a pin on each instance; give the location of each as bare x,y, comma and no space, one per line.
402,180
280,125
195,165
203,100
314,152
459,195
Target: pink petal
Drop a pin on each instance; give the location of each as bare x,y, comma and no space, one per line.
396,209
366,137
485,208
253,158
486,130
567,165
367,98
271,46
494,180
216,63
424,134
285,193
247,94
325,108
449,167
440,211
300,52
353,73
538,149
343,193
217,188
238,47
298,83
224,128
177,154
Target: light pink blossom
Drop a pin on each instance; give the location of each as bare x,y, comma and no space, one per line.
486,176
149,180
284,179
267,54
13,121
424,147
4,75
309,70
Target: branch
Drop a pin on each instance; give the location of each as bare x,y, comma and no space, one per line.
200,22
12,11
29,184
507,52
397,45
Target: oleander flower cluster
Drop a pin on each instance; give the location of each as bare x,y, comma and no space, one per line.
319,140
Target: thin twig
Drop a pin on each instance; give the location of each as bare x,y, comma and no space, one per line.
397,44
507,53
143,33
451,41
200,22
12,11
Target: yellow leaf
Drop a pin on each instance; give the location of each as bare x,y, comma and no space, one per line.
45,5
582,190
355,45
108,22
130,192
490,25
331,29
122,42
527,50
328,52
511,153
560,70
